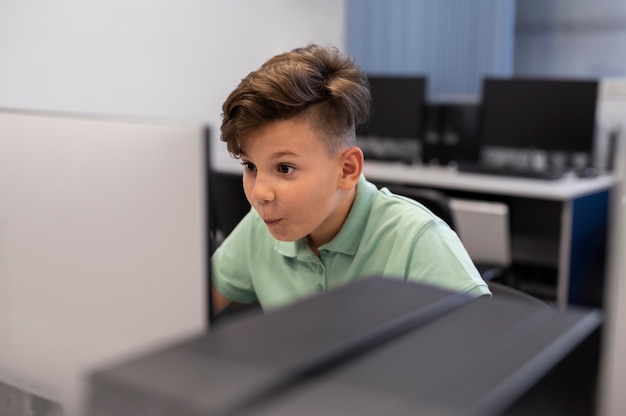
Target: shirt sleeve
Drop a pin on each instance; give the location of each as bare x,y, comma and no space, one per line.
439,258
230,274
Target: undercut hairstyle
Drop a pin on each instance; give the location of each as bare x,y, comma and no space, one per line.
319,84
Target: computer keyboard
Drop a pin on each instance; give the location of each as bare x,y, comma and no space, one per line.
389,149
549,174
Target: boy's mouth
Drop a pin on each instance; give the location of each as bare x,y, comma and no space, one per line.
270,222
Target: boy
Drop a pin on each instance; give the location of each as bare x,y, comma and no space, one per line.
317,223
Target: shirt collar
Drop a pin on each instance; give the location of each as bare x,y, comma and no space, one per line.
348,239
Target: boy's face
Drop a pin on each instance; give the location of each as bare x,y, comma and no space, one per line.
292,182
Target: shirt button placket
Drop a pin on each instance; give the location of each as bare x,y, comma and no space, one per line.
320,286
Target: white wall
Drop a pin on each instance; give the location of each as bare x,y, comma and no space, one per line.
169,60
172,59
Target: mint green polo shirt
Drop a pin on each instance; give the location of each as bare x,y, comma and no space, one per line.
384,235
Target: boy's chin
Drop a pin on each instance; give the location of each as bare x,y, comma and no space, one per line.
286,238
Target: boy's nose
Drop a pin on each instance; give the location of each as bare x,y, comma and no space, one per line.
262,191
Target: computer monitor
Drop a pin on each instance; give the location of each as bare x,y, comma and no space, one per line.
102,248
397,103
552,115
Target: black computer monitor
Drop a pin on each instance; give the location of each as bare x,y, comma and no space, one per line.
397,103
555,115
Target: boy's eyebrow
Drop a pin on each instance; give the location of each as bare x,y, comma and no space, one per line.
277,155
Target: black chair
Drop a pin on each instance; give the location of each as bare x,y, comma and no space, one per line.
502,290
228,202
439,203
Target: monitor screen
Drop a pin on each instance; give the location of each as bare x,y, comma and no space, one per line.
544,114
102,247
396,107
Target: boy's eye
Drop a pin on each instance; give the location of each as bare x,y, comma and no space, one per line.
285,169
248,167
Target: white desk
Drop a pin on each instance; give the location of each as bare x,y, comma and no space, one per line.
564,189
574,197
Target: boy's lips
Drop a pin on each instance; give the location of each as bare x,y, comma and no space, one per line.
270,221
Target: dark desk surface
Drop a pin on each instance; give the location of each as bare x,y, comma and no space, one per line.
374,347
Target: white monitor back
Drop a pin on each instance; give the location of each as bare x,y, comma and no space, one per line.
483,227
102,246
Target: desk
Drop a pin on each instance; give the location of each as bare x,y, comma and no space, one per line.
565,189
375,346
558,227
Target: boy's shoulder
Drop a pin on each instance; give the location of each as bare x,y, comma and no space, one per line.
379,204
389,204
385,215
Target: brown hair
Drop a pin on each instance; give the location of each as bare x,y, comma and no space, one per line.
313,81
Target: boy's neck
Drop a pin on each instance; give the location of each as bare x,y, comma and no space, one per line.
340,215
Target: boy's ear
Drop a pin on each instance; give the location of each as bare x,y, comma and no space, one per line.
352,167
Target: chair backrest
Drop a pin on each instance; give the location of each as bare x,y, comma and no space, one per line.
228,202
501,290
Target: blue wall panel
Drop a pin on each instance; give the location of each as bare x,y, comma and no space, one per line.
453,42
